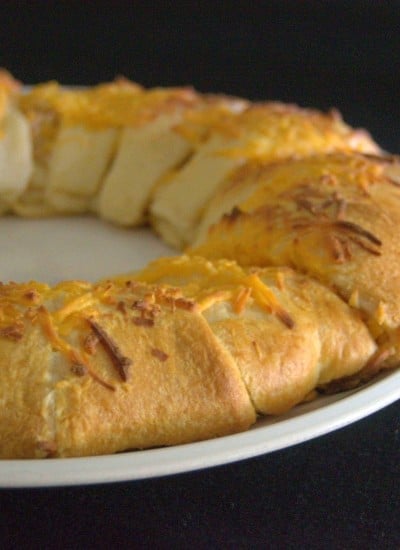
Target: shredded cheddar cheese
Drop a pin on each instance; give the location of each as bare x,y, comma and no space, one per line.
241,299
354,300
74,306
213,298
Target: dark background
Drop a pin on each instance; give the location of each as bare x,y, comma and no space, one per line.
323,54
339,491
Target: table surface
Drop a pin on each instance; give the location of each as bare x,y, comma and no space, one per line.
341,490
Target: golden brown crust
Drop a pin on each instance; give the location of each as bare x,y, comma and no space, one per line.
265,132
287,333
24,387
92,370
334,217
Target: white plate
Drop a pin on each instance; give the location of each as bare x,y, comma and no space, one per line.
85,248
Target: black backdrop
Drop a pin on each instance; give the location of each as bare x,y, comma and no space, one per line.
323,54
341,490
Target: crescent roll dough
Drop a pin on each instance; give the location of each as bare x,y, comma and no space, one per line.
97,369
270,321
74,133
150,148
15,144
269,131
333,217
90,142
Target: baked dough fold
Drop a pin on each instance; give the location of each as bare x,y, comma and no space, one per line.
88,370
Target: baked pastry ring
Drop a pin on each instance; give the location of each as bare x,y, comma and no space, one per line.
192,347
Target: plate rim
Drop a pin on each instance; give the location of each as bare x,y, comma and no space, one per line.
131,466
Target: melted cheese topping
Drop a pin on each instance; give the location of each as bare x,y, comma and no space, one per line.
209,283
274,130
355,170
117,104
71,308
